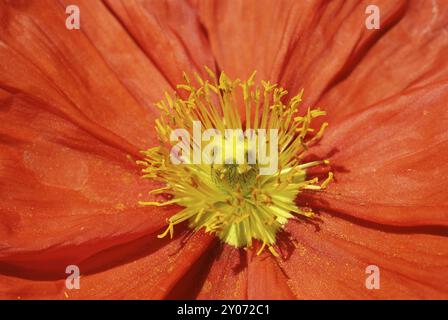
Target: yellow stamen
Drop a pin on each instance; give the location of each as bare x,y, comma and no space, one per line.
261,249
170,229
234,201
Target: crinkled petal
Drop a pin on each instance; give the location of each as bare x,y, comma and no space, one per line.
301,44
170,34
411,54
227,277
147,268
389,161
266,280
70,191
330,262
79,74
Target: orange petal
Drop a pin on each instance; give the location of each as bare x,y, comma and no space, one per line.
238,274
227,277
253,35
301,44
411,54
170,34
147,268
332,43
103,85
266,281
330,261
389,161
65,194
128,62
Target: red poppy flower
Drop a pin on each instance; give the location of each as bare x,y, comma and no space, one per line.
76,108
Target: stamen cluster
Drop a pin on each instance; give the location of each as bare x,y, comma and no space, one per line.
234,201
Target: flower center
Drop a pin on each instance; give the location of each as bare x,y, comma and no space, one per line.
233,176
241,186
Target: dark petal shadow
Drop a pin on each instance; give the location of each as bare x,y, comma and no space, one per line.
192,282
33,266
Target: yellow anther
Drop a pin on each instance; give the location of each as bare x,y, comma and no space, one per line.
170,229
261,249
327,181
158,204
274,253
